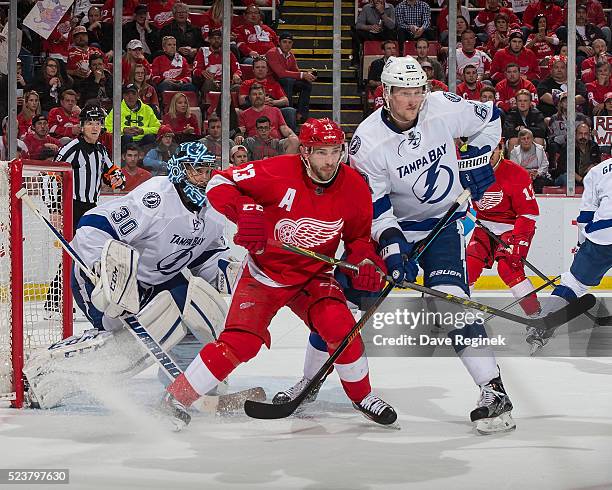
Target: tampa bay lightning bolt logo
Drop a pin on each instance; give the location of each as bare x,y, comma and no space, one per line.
175,262
434,184
355,145
151,200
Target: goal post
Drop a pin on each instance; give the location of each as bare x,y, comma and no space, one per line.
35,294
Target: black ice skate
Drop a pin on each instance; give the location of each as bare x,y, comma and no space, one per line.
175,411
493,409
290,393
538,338
377,410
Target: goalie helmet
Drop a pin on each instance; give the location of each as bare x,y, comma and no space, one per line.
92,112
316,133
197,155
403,72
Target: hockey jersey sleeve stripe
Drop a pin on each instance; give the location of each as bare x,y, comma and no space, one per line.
585,216
99,222
496,113
217,180
428,224
598,225
381,205
205,256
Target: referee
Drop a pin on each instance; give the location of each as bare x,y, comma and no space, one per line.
90,163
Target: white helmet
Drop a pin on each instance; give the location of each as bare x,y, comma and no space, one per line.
403,72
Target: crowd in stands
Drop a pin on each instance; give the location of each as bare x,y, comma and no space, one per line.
516,58
171,68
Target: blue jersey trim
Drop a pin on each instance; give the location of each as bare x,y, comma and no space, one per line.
427,224
496,113
381,206
198,261
598,225
585,216
99,222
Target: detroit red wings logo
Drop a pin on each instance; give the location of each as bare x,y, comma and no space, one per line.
490,200
306,232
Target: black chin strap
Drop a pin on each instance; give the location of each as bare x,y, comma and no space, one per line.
188,203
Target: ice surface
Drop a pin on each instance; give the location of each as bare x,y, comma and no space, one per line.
563,409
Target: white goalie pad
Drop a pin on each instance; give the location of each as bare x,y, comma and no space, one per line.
205,310
118,269
229,270
75,364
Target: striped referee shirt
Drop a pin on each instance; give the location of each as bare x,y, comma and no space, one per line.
89,162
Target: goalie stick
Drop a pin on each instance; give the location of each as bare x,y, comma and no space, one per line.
207,403
277,411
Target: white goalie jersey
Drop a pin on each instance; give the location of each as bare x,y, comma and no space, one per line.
153,220
414,175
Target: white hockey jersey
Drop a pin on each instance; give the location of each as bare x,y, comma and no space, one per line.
595,219
414,175
154,221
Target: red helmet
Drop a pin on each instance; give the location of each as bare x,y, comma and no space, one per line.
321,132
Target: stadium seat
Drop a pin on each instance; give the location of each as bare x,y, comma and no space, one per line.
247,72
410,48
371,51
212,100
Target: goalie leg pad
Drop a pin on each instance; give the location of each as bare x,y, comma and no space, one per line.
205,310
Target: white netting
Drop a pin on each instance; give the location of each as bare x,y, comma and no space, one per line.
42,274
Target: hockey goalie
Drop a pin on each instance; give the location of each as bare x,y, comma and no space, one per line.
156,232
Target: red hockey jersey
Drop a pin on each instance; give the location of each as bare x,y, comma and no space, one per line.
505,94
166,68
510,202
526,59
299,212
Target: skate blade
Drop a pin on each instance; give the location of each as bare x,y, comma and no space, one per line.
501,423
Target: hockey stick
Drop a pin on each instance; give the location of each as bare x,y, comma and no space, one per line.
270,411
598,321
552,320
209,403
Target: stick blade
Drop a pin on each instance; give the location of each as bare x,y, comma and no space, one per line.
569,312
21,192
269,411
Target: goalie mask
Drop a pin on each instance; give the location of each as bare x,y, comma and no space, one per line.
322,149
190,167
402,72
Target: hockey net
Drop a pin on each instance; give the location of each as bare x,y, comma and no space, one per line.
35,294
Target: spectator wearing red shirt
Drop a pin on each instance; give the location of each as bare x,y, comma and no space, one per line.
31,108
442,22
275,96
160,11
499,39
38,139
146,91
485,20
208,64
184,124
58,42
515,53
542,41
553,13
213,20
598,89
171,71
64,120
134,55
134,175
108,10
283,64
599,54
278,127
507,88
470,87
434,84
254,38
78,56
